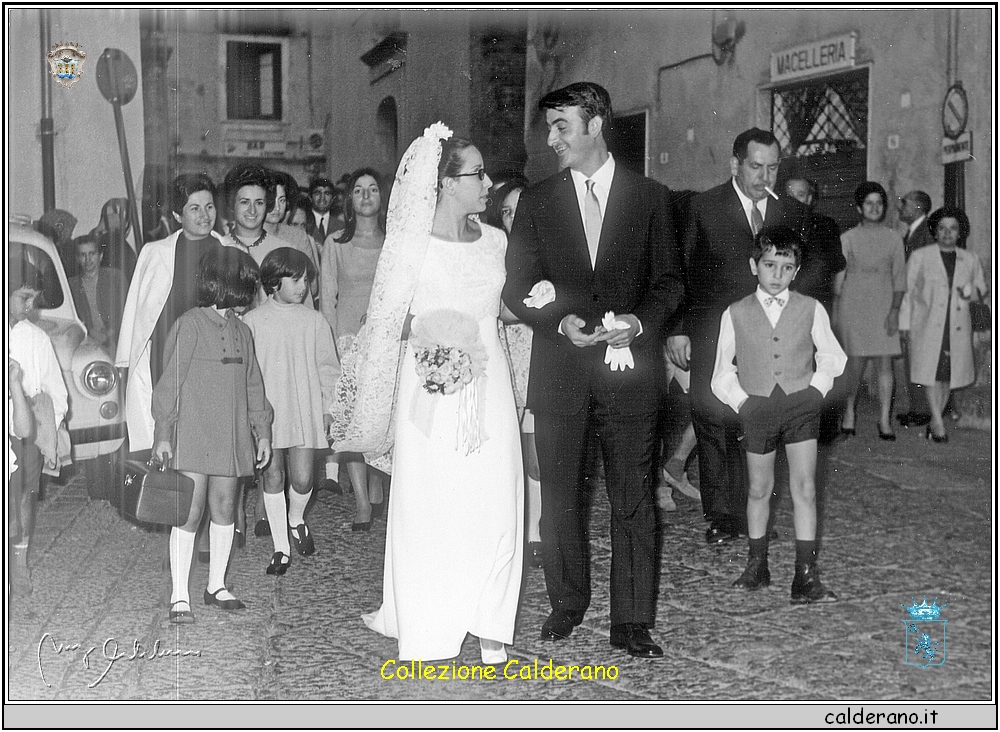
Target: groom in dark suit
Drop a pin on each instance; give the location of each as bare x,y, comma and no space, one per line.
717,247
603,237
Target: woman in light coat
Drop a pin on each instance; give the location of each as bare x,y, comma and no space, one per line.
941,282
152,303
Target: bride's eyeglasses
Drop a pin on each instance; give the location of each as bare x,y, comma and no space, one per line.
481,173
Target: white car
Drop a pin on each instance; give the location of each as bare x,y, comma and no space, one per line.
96,418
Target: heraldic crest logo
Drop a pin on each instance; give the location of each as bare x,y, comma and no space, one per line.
66,62
922,627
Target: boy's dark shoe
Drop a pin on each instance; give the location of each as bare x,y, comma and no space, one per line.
806,587
329,484
756,576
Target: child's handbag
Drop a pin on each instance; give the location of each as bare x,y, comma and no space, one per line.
156,494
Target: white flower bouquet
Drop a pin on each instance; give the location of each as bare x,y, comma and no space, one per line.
447,349
450,357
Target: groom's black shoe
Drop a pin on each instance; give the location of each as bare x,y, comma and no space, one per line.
722,531
559,625
635,639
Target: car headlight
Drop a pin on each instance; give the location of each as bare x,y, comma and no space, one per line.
100,378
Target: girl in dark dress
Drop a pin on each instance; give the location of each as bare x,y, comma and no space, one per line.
209,408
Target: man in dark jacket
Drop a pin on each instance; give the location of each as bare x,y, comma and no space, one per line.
98,293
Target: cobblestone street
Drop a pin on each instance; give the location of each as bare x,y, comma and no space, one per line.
899,521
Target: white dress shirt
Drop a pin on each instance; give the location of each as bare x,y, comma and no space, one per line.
30,346
830,357
602,178
602,189
322,220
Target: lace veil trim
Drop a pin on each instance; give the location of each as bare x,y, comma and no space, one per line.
364,409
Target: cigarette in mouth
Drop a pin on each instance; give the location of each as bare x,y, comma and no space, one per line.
771,193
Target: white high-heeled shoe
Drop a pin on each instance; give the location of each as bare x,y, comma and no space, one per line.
493,652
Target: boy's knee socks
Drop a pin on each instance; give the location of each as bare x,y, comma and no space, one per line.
758,548
805,551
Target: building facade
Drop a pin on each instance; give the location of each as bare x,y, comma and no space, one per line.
851,94
86,159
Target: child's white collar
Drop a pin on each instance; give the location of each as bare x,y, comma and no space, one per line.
763,295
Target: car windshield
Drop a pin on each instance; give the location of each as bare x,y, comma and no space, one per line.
52,295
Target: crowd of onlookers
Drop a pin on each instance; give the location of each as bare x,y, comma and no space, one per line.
890,292
327,235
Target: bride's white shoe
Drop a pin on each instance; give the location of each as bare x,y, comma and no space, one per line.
493,651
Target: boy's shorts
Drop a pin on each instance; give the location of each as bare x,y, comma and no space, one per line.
780,419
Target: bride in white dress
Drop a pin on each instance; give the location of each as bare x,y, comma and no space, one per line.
453,554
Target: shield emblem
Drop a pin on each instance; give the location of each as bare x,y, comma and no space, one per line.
925,642
66,63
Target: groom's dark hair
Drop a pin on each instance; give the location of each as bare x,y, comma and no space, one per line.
592,99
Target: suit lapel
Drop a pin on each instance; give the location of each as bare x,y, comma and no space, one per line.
615,215
773,213
734,209
576,235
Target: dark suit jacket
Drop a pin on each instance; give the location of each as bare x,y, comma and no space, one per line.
920,237
333,225
822,258
718,242
637,272
111,291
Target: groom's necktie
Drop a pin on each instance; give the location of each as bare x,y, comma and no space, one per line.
321,229
756,218
592,221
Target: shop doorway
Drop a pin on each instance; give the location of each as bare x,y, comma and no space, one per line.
628,142
822,127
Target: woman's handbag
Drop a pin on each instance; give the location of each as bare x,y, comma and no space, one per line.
979,313
156,494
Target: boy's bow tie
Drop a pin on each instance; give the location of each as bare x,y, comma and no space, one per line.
779,300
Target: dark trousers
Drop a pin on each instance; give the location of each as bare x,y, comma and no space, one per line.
628,445
721,463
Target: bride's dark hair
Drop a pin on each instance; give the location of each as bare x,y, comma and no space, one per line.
451,157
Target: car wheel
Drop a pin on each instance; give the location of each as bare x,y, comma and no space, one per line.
105,475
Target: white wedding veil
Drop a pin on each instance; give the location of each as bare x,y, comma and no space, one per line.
364,411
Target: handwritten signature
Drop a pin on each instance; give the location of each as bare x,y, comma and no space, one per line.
110,652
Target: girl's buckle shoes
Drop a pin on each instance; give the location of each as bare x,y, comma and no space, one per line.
303,540
212,598
181,617
279,563
887,436
362,526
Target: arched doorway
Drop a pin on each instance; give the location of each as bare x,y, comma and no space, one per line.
387,132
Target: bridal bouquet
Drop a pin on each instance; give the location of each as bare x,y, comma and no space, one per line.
450,358
447,350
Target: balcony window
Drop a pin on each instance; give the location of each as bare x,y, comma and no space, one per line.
255,78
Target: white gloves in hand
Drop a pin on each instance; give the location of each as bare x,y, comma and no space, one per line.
618,359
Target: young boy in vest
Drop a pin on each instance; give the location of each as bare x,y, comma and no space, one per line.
786,358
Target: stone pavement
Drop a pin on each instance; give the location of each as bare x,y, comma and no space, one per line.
898,520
